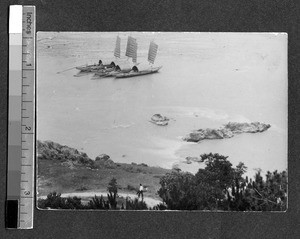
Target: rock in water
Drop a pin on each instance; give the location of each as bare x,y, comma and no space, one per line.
160,120
226,131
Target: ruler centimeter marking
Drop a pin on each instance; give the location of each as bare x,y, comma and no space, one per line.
21,120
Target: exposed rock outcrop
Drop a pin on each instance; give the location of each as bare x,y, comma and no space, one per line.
189,159
160,120
54,151
104,160
226,131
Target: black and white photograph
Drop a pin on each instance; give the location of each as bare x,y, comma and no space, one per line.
165,121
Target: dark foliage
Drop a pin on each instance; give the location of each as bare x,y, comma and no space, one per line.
220,186
54,200
160,207
112,193
131,188
98,203
135,204
177,190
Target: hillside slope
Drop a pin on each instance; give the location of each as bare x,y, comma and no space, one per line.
66,170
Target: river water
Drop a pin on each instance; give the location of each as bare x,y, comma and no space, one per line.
207,80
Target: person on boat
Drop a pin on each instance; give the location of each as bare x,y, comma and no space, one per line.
99,63
111,65
135,69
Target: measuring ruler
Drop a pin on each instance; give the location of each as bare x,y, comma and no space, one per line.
21,118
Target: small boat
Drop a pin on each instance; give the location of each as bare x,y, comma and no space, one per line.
133,73
88,68
112,72
163,123
159,120
151,58
94,68
104,71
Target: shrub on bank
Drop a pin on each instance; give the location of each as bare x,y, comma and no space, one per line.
55,201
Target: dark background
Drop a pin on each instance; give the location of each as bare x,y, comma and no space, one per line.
164,15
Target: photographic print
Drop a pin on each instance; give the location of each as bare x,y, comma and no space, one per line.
162,121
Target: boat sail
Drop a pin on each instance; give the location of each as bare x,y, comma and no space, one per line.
131,47
131,51
117,51
151,58
152,52
134,55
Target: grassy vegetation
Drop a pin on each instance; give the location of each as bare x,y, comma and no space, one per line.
54,175
55,201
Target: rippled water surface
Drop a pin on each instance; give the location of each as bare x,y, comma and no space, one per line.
207,79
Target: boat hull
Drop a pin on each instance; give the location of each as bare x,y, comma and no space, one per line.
111,73
94,68
103,72
139,73
89,68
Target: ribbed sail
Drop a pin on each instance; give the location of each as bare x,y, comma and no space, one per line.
134,55
152,52
130,46
117,52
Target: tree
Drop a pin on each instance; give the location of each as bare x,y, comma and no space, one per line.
221,186
112,193
214,181
177,190
271,194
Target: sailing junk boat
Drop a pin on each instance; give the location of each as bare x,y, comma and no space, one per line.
117,53
131,51
151,58
100,68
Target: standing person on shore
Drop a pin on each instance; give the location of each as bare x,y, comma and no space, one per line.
140,192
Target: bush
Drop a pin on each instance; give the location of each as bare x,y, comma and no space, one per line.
135,204
112,193
55,201
81,188
160,207
220,186
98,203
131,188
73,203
177,191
